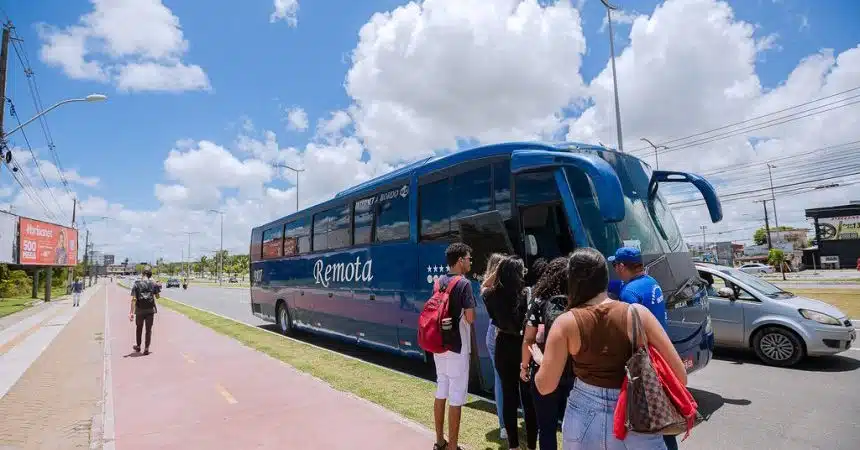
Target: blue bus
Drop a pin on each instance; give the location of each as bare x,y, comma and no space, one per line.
359,267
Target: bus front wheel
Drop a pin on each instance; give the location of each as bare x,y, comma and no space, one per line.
285,323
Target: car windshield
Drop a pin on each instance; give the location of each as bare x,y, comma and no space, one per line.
757,283
641,225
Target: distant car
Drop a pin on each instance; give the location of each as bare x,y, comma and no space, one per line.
756,268
172,282
780,327
234,280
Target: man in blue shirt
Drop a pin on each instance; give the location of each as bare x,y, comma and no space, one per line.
639,287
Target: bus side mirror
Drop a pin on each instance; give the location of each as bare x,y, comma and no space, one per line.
531,245
726,292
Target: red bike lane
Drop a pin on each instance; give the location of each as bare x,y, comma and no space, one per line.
201,389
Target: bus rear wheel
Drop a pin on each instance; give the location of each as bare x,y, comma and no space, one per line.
285,322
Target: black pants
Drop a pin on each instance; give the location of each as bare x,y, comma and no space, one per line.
549,409
140,321
514,390
671,442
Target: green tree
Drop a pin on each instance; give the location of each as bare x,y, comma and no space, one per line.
776,258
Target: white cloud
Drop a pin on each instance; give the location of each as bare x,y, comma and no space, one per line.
297,119
619,16
52,174
426,74
285,10
137,44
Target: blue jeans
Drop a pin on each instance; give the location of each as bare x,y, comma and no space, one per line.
497,383
588,422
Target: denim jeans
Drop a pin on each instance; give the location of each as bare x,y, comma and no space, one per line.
588,422
497,383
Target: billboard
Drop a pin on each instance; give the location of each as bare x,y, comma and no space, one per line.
839,228
8,228
46,244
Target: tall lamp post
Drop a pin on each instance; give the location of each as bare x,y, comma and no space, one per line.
609,8
221,251
656,148
7,156
284,166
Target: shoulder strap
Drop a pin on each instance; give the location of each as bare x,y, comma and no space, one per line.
637,329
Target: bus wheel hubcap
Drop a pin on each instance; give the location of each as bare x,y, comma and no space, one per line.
776,346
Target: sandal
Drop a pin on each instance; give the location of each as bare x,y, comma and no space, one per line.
442,446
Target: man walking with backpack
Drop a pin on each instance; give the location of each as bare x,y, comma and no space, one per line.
143,295
77,288
445,328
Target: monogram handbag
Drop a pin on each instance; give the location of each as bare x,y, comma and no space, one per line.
649,407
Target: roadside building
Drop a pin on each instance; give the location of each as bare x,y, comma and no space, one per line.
837,235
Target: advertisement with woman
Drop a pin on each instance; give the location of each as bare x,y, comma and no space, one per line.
47,244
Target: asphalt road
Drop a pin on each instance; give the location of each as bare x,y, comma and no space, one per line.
748,405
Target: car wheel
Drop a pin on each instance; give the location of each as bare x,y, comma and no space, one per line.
778,347
285,323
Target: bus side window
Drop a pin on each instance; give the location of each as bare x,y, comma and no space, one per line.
392,220
332,228
442,202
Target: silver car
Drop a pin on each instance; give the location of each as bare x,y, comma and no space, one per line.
756,268
782,328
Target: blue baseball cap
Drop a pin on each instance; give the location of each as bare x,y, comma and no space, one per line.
626,255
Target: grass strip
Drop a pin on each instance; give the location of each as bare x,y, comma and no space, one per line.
847,300
12,305
403,394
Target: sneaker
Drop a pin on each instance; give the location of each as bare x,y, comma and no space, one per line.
440,446
136,348
146,351
503,434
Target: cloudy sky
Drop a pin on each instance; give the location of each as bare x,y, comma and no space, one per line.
205,96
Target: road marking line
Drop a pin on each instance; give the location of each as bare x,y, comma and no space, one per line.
188,358
226,394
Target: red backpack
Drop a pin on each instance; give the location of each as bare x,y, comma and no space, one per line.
430,334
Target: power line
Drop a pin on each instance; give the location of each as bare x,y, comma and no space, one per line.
749,120
14,114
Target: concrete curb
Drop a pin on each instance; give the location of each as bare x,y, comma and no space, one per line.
103,424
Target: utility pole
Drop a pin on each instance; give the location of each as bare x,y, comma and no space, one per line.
772,195
71,269
766,224
221,251
284,166
4,55
86,256
704,241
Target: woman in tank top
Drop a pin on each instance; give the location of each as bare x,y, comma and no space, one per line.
596,333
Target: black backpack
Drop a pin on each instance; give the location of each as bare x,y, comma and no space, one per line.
145,294
552,309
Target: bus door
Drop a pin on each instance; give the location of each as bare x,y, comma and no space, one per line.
562,198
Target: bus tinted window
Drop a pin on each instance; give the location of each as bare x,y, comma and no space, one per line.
502,188
273,242
297,238
331,229
470,194
363,219
392,220
434,210
536,187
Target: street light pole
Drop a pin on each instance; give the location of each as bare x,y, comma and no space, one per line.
656,147
609,9
221,251
284,166
90,98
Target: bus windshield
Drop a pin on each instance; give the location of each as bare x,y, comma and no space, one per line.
641,219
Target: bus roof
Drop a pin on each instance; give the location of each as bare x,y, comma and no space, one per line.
435,163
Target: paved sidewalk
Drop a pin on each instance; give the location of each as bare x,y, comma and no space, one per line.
201,389
51,365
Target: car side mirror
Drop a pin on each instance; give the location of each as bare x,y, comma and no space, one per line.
726,292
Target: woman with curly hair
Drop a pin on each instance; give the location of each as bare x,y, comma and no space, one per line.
550,295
